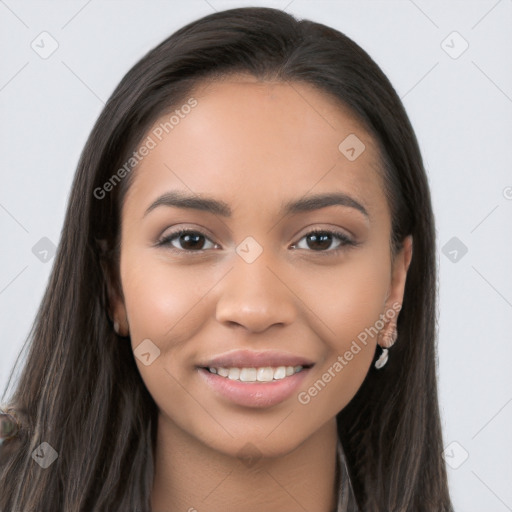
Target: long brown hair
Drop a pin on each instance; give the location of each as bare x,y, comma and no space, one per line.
80,390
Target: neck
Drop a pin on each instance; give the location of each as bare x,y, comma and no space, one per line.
193,477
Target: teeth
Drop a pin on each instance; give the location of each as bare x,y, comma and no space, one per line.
264,374
234,373
280,373
248,374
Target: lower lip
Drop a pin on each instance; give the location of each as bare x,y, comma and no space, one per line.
254,394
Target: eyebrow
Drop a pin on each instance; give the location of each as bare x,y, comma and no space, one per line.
313,202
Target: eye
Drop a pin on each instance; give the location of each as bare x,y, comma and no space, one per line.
321,241
190,241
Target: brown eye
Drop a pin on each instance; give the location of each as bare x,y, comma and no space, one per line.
185,240
322,240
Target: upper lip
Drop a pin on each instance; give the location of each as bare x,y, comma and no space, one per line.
251,359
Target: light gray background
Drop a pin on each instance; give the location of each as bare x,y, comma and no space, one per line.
461,109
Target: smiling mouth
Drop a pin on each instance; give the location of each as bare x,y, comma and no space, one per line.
257,374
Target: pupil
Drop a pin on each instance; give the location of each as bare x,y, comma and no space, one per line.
323,240
191,240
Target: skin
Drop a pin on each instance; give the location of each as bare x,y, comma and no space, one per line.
253,145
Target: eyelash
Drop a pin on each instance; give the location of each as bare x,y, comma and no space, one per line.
345,241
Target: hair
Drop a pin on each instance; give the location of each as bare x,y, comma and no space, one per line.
80,389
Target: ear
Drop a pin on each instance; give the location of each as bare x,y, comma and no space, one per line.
114,297
396,291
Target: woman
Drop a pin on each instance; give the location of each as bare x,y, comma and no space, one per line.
241,314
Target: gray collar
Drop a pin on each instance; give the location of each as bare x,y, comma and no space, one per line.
346,497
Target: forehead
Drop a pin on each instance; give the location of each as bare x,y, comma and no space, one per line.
248,139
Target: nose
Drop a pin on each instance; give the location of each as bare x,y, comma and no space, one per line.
256,296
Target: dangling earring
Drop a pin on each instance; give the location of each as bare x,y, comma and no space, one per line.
383,358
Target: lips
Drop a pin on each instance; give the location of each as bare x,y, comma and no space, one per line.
252,359
252,394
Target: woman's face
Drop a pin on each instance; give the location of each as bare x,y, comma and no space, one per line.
252,275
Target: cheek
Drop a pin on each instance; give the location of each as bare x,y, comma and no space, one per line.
161,300
163,303
348,298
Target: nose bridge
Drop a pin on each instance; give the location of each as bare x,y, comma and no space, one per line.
251,294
